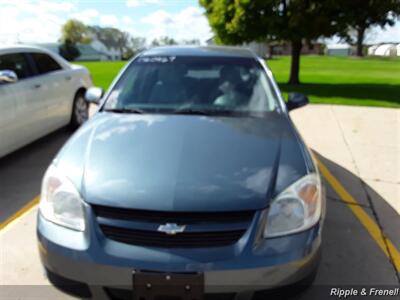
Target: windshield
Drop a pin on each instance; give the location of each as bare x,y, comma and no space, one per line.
205,85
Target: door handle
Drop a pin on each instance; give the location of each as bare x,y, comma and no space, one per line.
68,78
36,86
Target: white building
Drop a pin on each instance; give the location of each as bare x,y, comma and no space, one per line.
88,53
384,50
338,50
372,49
110,53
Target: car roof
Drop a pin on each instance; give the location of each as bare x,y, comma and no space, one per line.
22,47
205,51
18,48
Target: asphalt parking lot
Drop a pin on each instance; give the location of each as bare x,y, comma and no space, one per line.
355,251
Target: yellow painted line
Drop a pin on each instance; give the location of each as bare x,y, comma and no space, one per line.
373,229
20,213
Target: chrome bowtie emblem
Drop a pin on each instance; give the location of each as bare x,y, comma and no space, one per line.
171,228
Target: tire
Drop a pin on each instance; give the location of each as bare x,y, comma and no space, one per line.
80,111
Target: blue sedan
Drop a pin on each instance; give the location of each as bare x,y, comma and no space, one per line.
190,180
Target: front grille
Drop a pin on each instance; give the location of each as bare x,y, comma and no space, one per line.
163,217
203,229
181,240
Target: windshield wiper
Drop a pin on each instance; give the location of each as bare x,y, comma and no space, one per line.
202,112
191,111
125,110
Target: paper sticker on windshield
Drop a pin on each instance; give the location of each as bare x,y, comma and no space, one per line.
156,59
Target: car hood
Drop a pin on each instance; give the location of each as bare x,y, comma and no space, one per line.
183,162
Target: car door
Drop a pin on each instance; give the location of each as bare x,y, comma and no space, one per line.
56,89
21,112
7,115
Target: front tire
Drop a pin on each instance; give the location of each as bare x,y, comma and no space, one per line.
80,111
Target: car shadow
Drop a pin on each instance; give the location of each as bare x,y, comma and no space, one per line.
363,91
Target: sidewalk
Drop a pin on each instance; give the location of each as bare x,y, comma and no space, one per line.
366,142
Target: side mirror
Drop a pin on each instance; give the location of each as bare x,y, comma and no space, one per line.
93,95
8,76
296,100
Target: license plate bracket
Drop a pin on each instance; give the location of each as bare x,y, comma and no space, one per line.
171,286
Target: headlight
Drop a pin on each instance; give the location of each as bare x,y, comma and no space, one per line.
296,209
60,202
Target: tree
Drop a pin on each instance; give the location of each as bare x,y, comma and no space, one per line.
106,35
359,15
122,40
75,32
294,21
137,44
69,50
112,38
191,42
163,41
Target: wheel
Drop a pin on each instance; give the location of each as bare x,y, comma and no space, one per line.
80,111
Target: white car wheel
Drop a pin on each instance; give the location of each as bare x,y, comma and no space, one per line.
80,112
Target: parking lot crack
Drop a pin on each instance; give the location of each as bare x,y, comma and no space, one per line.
368,196
381,180
335,199
376,216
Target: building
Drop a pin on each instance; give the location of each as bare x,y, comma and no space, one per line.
285,48
88,53
53,47
111,53
94,51
387,49
279,48
338,50
371,50
261,49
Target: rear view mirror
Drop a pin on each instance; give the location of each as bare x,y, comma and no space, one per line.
296,100
8,76
93,95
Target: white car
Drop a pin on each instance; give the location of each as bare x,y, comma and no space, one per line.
39,93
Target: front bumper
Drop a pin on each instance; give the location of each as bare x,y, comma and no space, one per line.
98,264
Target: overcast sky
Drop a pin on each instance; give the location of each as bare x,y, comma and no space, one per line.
40,21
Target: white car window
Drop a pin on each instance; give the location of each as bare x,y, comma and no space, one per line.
45,63
18,63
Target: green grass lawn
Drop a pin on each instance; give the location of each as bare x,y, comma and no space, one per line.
103,72
336,80
343,80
